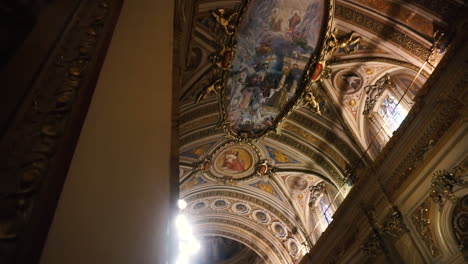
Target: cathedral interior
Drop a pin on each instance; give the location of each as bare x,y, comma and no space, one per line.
292,131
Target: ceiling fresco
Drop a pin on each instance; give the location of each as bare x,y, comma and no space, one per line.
274,43
280,104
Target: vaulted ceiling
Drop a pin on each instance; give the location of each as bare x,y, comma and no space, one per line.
259,191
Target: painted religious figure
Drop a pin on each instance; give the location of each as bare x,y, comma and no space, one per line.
232,161
294,21
275,40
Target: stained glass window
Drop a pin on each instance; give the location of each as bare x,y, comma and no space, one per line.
392,113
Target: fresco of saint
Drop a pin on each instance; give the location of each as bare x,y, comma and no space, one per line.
232,161
294,21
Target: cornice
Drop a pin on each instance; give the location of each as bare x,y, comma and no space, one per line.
391,61
382,30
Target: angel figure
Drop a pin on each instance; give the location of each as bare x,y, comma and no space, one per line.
344,43
224,21
215,88
311,103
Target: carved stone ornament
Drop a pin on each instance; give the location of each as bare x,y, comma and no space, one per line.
393,226
460,224
422,222
373,246
374,91
33,148
443,183
315,192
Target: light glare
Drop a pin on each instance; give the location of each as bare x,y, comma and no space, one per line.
182,204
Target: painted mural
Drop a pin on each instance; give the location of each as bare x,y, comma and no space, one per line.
266,187
275,40
279,157
197,152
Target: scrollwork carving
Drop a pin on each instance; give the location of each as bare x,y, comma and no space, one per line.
422,222
374,91
460,223
39,133
393,226
373,245
443,183
315,192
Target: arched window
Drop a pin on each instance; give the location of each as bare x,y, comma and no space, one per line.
325,209
391,112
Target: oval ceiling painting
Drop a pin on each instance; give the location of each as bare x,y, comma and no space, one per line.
275,41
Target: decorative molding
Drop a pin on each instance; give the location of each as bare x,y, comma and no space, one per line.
374,91
395,62
460,224
324,147
207,132
326,133
231,208
199,112
315,192
422,221
393,226
248,229
442,120
243,197
318,158
38,146
442,185
373,245
382,30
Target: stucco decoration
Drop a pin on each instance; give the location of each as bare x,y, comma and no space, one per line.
261,217
241,208
460,223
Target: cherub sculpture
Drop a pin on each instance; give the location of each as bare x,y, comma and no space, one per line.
214,87
344,43
311,102
225,21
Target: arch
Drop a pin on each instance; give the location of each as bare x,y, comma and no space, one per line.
444,231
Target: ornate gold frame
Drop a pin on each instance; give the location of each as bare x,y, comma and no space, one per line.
314,70
260,165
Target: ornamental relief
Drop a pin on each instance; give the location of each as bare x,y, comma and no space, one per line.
253,212
422,221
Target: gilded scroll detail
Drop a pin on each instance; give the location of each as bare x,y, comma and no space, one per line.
422,222
393,226
442,185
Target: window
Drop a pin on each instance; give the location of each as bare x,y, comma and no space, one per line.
392,113
325,211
